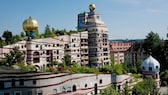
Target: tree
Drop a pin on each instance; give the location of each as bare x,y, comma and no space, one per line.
126,90
109,91
164,78
67,60
7,35
152,44
48,32
2,42
16,38
146,87
22,34
14,56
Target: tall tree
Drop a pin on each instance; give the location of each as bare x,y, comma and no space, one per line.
7,35
152,44
48,32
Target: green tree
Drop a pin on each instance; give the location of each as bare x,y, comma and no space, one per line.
7,35
67,60
126,90
109,91
163,57
2,42
117,69
146,87
16,38
37,34
22,34
48,32
152,44
164,78
14,56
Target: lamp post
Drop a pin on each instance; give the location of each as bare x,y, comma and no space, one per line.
30,26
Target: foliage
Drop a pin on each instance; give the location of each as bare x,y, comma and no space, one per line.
22,34
2,42
48,32
145,87
67,60
126,90
83,69
164,77
26,68
152,44
109,91
14,56
8,36
16,38
117,69
136,76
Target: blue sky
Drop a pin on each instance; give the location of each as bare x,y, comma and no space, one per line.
126,19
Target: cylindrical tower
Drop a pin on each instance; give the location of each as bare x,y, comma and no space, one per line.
30,26
98,44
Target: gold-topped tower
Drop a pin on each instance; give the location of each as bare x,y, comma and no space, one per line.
30,25
92,7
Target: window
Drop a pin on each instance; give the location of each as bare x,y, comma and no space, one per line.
45,45
41,47
85,85
57,45
74,88
1,85
21,81
57,51
40,92
17,93
100,81
150,68
54,91
156,67
13,82
143,68
30,93
6,93
34,82
36,46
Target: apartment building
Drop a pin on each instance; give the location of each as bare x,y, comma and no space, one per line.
117,49
134,54
98,43
45,50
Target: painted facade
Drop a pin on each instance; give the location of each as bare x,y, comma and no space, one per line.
13,82
45,50
98,44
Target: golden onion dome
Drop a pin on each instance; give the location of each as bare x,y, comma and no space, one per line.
92,7
30,25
